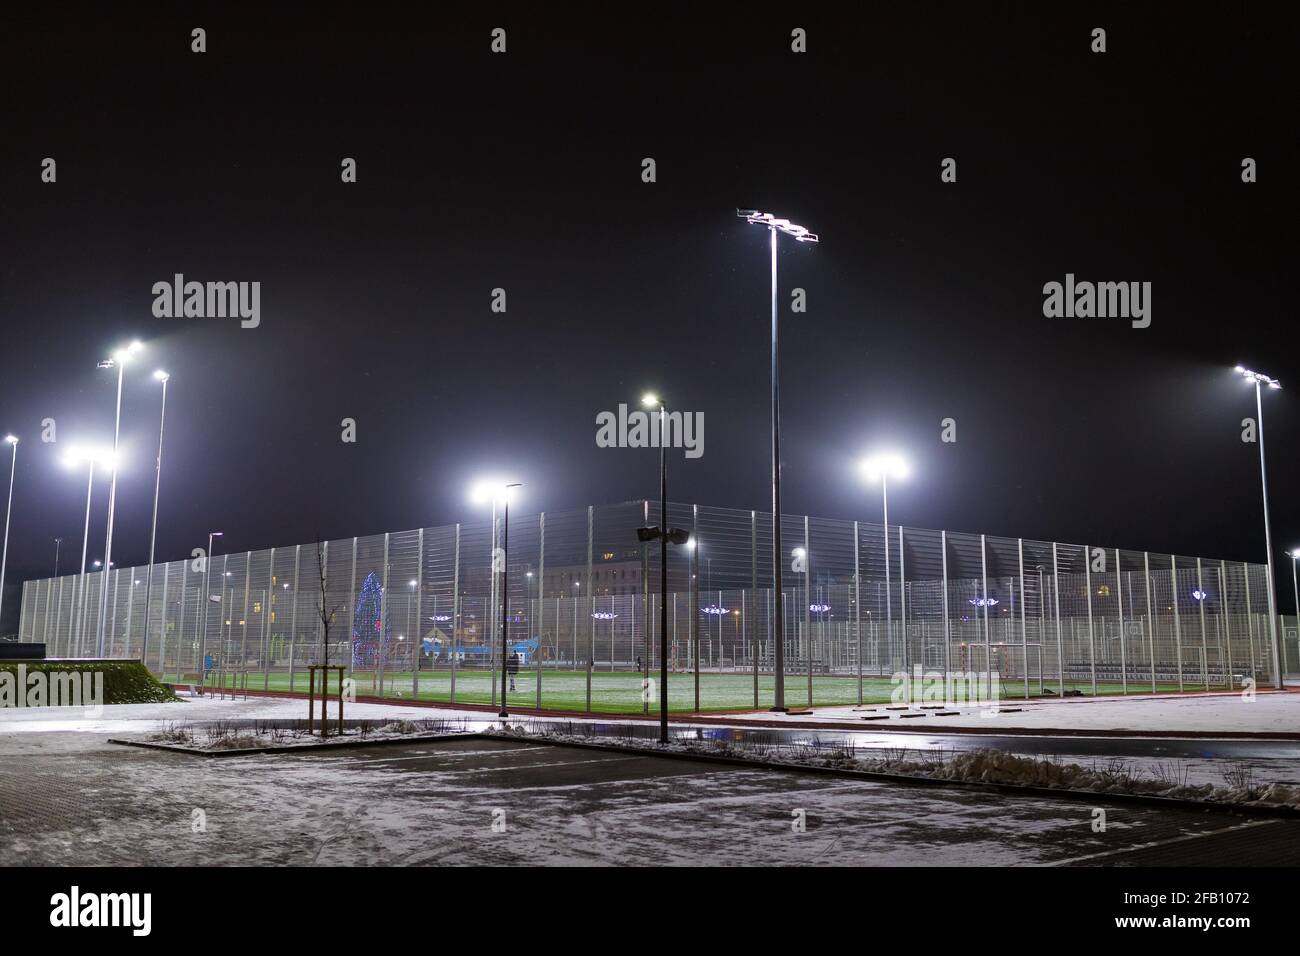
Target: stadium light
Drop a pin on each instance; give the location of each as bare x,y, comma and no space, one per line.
118,361
159,376
13,468
665,535
881,467
774,226
1257,379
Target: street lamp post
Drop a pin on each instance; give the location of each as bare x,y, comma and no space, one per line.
676,536
882,467
502,490
118,361
160,376
775,225
4,560
1258,380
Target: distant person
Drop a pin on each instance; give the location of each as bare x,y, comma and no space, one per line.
512,668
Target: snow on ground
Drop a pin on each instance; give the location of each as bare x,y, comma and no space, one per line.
504,802
1265,713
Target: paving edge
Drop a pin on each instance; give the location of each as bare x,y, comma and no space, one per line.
299,749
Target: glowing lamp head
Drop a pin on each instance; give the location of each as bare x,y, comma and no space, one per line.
492,490
650,400
161,376
11,439
884,466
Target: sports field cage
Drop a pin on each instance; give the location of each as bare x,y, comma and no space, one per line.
417,614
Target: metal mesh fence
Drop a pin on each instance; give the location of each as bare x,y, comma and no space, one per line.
417,614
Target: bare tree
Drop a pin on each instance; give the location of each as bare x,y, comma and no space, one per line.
324,610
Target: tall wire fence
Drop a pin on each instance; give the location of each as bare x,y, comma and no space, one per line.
417,614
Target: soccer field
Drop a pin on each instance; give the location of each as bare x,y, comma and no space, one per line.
619,692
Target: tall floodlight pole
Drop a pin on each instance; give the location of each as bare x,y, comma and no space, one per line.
13,468
74,458
160,376
1259,380
665,536
58,543
118,361
500,491
881,468
775,225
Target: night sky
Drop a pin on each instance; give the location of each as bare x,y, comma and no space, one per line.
523,171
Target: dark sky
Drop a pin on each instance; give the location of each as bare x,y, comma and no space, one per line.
522,171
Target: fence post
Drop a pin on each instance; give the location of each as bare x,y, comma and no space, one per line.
902,618
857,607
591,642
947,624
693,590
455,613
351,614
266,622
491,618
541,601
1178,627
1056,602
753,596
417,652
1092,641
984,599
1024,635
1250,622
293,625
1205,647
807,608
1119,596
383,620
112,633
1227,619
243,624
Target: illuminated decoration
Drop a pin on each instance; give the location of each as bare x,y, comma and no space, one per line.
441,618
604,615
819,608
1103,591
983,602
714,609
1199,595
368,644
